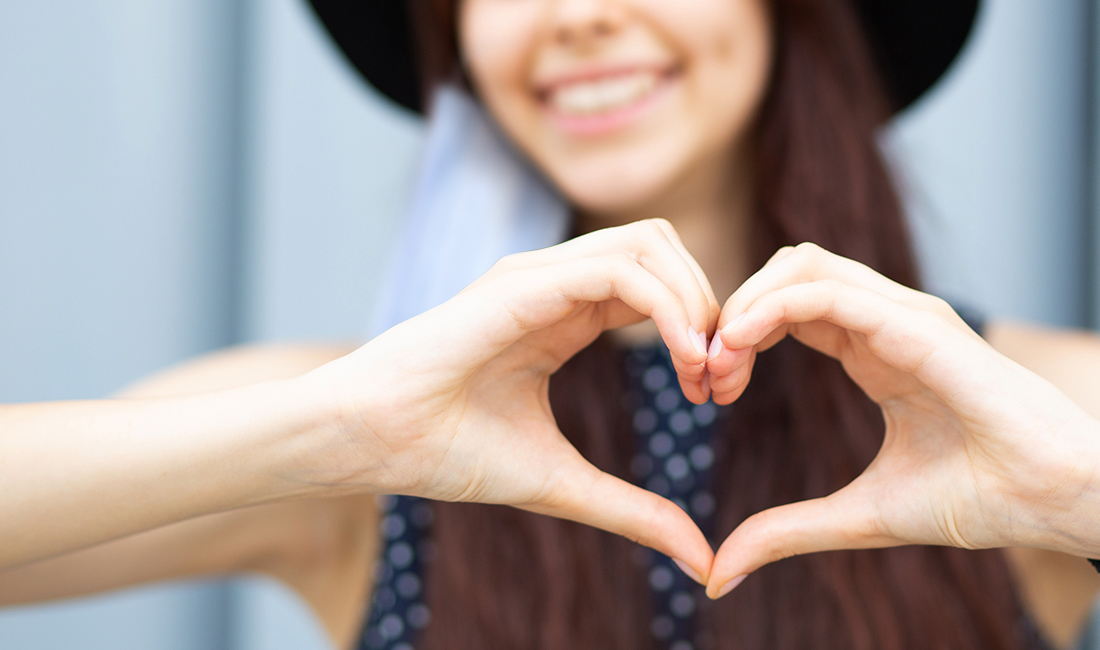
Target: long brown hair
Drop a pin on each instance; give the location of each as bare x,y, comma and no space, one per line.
505,579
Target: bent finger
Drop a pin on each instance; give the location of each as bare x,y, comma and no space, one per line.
902,336
525,301
704,281
654,244
807,263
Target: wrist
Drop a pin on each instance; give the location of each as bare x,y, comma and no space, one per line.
330,445
300,426
1066,518
264,441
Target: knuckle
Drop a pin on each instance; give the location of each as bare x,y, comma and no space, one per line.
507,263
660,224
650,237
831,288
763,538
613,267
939,306
808,248
808,258
778,255
620,261
930,321
833,293
818,254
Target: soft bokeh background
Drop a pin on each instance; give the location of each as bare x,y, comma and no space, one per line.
181,175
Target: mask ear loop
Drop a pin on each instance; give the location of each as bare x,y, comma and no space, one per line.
476,200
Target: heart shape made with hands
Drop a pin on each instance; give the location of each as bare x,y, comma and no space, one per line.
957,412
555,302
482,430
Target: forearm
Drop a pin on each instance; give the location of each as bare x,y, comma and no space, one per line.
272,539
75,474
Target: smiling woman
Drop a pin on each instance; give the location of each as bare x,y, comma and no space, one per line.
758,130
749,125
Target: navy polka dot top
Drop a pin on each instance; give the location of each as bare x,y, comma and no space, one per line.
673,458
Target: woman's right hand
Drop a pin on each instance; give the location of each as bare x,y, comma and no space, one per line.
978,451
453,404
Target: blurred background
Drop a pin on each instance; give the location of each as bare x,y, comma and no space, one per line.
183,175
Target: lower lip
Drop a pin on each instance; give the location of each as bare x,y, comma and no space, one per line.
610,121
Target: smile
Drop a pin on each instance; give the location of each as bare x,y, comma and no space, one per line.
599,103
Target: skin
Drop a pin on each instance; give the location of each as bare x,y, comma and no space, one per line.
415,411
979,452
675,160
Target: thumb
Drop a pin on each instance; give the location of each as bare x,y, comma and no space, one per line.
843,520
598,499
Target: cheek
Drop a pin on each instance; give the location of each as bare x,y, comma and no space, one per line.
732,67
728,43
497,40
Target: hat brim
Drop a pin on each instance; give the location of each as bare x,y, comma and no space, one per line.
914,41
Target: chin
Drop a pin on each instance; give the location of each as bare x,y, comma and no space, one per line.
614,187
609,197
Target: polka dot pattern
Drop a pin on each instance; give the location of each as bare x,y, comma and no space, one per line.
673,458
397,611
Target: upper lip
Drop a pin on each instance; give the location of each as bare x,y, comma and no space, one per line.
545,86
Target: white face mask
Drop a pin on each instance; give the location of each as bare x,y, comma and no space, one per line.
476,201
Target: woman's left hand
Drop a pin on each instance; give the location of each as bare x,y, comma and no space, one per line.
978,451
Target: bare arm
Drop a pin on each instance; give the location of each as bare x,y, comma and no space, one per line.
80,473
1058,589
414,411
76,474
321,548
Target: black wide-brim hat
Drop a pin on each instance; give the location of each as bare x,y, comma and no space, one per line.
914,41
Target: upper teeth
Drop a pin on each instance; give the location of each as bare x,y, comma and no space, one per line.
596,96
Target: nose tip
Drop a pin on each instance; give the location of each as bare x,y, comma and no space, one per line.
584,21
574,36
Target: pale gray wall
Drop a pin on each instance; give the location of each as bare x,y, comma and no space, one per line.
117,177
997,165
329,164
117,180
179,175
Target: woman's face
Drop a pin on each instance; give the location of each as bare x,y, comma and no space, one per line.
619,100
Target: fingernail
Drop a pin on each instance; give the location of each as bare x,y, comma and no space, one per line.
698,341
716,348
728,587
733,323
689,571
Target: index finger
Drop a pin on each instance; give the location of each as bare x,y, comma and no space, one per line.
809,263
